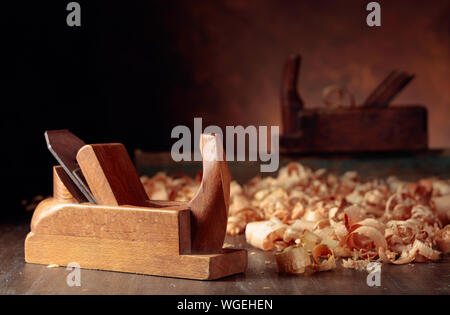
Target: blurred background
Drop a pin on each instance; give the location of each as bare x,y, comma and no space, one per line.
136,69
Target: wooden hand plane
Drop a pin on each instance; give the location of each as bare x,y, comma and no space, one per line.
373,126
100,216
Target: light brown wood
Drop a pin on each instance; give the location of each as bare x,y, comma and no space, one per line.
162,228
209,206
60,191
111,175
140,240
132,257
127,232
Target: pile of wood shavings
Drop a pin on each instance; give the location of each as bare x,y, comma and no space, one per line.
311,218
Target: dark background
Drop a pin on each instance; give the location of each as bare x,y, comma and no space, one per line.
136,69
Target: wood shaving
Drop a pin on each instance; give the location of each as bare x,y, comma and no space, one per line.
297,259
53,266
293,260
443,239
263,234
389,220
355,264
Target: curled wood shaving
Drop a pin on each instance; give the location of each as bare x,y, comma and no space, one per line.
320,251
163,187
309,240
263,234
296,259
443,240
352,215
372,223
235,225
417,251
355,264
367,240
442,206
293,260
239,220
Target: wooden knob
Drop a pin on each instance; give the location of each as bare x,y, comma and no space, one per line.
60,191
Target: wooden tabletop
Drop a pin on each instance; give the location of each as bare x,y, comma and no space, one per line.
262,277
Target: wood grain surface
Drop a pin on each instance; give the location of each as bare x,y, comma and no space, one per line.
111,175
367,129
60,190
262,277
152,241
209,207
